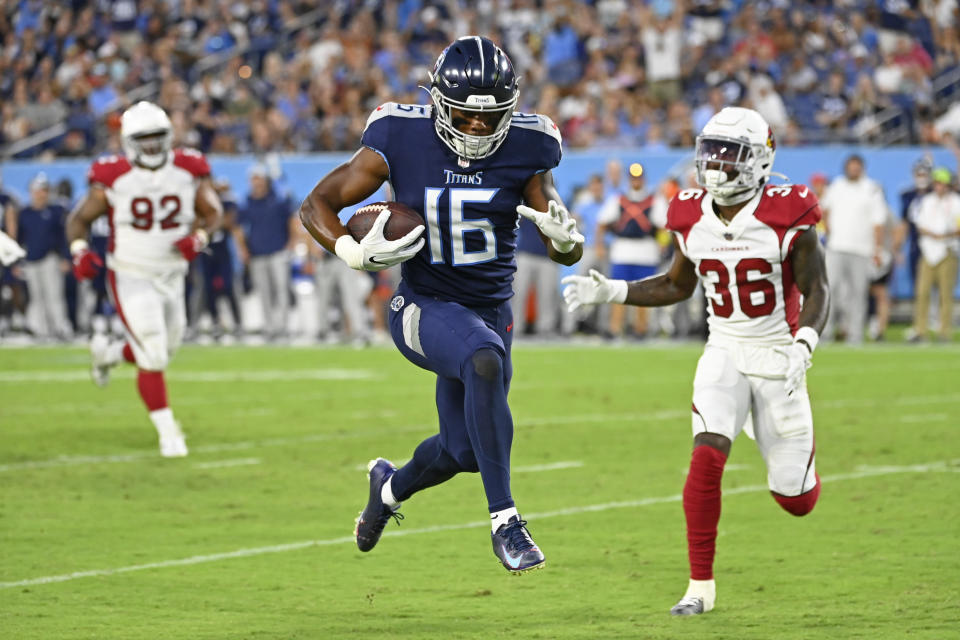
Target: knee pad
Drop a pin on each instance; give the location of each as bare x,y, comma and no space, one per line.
799,505
488,364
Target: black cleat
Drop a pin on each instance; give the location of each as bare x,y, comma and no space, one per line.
374,517
514,547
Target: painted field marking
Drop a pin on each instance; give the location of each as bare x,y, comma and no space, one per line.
639,416
550,466
924,417
532,468
219,464
259,375
68,461
726,467
866,472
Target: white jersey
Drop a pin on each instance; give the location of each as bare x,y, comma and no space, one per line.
745,266
149,209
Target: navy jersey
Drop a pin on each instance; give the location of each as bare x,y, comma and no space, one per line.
470,211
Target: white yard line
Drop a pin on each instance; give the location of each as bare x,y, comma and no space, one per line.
865,472
924,417
68,461
532,468
550,466
256,375
234,462
638,416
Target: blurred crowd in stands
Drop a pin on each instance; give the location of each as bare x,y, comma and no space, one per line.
294,75
263,279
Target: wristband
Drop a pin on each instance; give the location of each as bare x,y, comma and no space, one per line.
618,291
203,236
808,336
78,246
350,251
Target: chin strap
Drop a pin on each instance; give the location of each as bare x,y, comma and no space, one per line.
734,198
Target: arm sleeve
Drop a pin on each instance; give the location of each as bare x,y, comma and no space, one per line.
658,212
878,214
609,211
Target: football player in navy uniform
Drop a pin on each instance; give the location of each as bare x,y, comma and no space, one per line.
469,164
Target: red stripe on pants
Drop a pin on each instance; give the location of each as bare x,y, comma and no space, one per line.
112,280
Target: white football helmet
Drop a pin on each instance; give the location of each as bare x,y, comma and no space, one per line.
146,134
734,155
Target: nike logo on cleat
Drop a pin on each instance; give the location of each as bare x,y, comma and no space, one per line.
512,562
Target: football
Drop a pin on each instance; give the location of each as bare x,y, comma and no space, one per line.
402,220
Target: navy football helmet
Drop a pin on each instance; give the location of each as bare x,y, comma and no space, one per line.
473,75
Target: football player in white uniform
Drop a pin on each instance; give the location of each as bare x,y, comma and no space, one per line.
754,248
162,207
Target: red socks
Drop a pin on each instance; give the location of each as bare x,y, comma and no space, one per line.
701,505
128,353
802,504
153,389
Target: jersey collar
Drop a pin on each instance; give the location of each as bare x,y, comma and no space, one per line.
738,225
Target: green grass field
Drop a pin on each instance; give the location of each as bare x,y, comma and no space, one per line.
250,536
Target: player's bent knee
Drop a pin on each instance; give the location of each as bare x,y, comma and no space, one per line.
467,461
799,505
488,364
154,360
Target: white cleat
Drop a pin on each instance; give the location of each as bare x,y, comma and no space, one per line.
700,597
99,365
173,445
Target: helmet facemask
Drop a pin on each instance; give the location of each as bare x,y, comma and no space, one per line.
149,148
731,170
465,145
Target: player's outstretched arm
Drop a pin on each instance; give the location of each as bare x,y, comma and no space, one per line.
358,178
673,286
810,273
558,229
86,263
677,284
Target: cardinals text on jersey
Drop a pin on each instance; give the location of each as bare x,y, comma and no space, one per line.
149,209
744,266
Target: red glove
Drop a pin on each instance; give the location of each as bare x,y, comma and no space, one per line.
86,264
191,246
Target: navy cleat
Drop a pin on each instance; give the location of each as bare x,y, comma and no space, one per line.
374,517
515,548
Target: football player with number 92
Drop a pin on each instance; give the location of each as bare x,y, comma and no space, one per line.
162,208
754,248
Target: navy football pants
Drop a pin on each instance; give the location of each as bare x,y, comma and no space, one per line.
469,350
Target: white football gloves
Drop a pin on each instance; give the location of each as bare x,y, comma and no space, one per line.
799,357
10,251
556,223
376,253
593,289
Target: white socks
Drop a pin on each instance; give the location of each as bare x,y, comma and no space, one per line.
498,518
164,423
703,589
386,494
